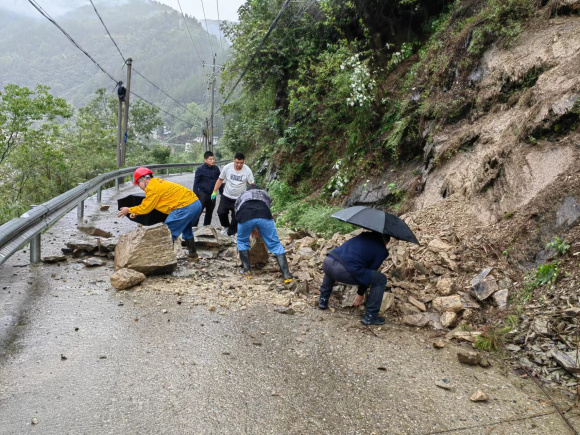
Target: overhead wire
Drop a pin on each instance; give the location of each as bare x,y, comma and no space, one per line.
70,38
109,33
206,26
220,28
284,6
76,44
187,27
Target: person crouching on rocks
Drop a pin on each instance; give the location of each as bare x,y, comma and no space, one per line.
355,262
180,203
253,211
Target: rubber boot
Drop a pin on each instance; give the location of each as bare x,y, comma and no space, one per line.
245,258
192,253
283,263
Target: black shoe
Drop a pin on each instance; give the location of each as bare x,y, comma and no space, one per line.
245,259
322,303
372,320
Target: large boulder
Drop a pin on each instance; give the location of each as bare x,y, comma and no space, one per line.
148,250
258,252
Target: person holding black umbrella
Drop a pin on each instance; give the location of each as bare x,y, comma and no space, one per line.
355,262
179,202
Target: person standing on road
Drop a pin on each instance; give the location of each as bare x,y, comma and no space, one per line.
253,212
356,262
180,203
205,178
236,176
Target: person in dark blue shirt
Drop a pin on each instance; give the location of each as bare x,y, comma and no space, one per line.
205,177
355,262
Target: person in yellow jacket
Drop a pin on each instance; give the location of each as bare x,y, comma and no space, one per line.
180,203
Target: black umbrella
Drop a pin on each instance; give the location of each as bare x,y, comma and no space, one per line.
377,220
148,219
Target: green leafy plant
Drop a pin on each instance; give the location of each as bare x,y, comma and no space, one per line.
559,245
545,274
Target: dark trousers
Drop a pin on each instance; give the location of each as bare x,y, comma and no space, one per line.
208,205
227,205
335,272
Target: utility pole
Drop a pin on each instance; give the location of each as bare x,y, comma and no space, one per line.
124,142
211,115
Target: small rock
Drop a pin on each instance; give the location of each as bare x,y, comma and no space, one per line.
479,396
285,310
104,207
439,344
93,262
126,278
484,363
470,358
445,384
62,357
34,420
448,318
513,348
54,259
164,311
211,307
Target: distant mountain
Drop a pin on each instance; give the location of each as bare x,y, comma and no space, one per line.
156,37
213,28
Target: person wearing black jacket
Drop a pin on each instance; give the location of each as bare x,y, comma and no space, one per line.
355,262
205,178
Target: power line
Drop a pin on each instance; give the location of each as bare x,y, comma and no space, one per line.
70,38
206,26
164,111
109,33
257,51
134,70
190,37
161,90
220,28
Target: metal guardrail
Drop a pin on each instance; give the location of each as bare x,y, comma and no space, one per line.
16,233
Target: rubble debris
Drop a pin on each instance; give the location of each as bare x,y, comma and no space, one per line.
479,396
469,358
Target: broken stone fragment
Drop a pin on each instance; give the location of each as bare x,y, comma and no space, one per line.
388,301
104,207
258,252
479,396
445,384
53,259
148,250
285,310
93,262
417,303
470,358
415,320
567,360
445,286
448,318
500,298
439,344
126,278
438,246
448,303
93,231
483,287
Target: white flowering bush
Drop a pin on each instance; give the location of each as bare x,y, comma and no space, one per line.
361,82
339,182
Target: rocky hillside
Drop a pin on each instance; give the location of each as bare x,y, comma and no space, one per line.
495,204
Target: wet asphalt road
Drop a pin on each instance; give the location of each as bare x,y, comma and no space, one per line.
81,358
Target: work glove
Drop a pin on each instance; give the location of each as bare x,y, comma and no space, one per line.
213,195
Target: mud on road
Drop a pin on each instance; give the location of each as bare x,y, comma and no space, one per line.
79,357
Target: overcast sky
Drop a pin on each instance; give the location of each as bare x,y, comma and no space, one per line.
228,9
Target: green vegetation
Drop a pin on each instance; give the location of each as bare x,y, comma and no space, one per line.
46,151
559,245
492,338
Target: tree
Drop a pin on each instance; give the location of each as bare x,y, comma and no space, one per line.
27,115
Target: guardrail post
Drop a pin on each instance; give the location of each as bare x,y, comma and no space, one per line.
81,210
35,247
181,171
168,172
117,183
99,194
